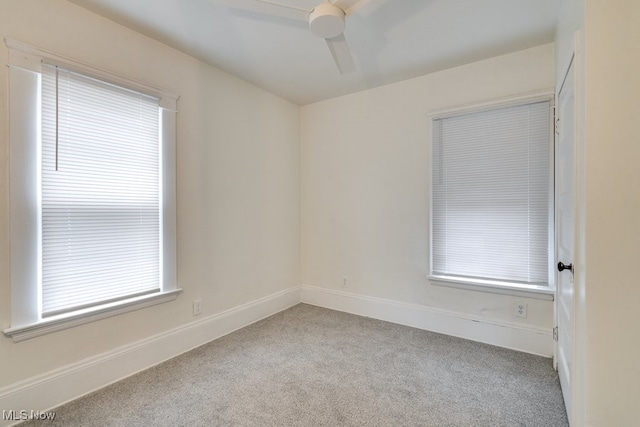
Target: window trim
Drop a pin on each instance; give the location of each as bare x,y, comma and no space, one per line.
25,63
80,317
499,287
528,291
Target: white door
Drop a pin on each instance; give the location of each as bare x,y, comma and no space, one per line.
565,220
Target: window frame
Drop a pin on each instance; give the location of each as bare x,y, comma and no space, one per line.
25,63
499,287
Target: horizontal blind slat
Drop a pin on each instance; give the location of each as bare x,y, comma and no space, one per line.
490,194
101,208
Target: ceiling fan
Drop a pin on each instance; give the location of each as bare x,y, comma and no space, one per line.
326,20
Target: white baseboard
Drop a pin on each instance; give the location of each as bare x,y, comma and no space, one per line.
528,339
57,387
70,382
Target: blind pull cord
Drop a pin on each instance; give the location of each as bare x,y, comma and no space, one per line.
56,118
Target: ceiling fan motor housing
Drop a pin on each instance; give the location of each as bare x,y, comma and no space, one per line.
326,21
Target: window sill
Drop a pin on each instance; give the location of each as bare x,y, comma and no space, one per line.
80,317
513,289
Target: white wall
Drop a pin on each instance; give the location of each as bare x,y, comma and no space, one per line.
365,191
238,184
570,19
612,91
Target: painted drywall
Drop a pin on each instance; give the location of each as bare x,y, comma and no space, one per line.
238,183
612,236
570,20
365,185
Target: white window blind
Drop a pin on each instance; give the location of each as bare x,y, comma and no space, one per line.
101,192
490,195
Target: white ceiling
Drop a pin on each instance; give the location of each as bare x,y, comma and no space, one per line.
390,40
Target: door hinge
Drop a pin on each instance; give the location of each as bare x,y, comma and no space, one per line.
557,126
555,333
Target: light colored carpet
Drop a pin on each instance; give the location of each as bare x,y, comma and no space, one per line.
309,366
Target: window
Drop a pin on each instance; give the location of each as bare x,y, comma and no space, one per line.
491,196
92,194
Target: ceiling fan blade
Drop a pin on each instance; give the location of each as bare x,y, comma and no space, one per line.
350,6
341,54
268,8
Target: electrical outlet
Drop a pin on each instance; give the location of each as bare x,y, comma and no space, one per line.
344,282
197,306
521,309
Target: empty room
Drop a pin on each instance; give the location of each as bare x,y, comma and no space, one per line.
309,212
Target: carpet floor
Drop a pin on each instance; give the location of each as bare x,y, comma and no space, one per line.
309,366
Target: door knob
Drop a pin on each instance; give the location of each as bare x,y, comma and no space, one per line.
562,267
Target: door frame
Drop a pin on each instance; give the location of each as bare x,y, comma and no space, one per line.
568,329
578,383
